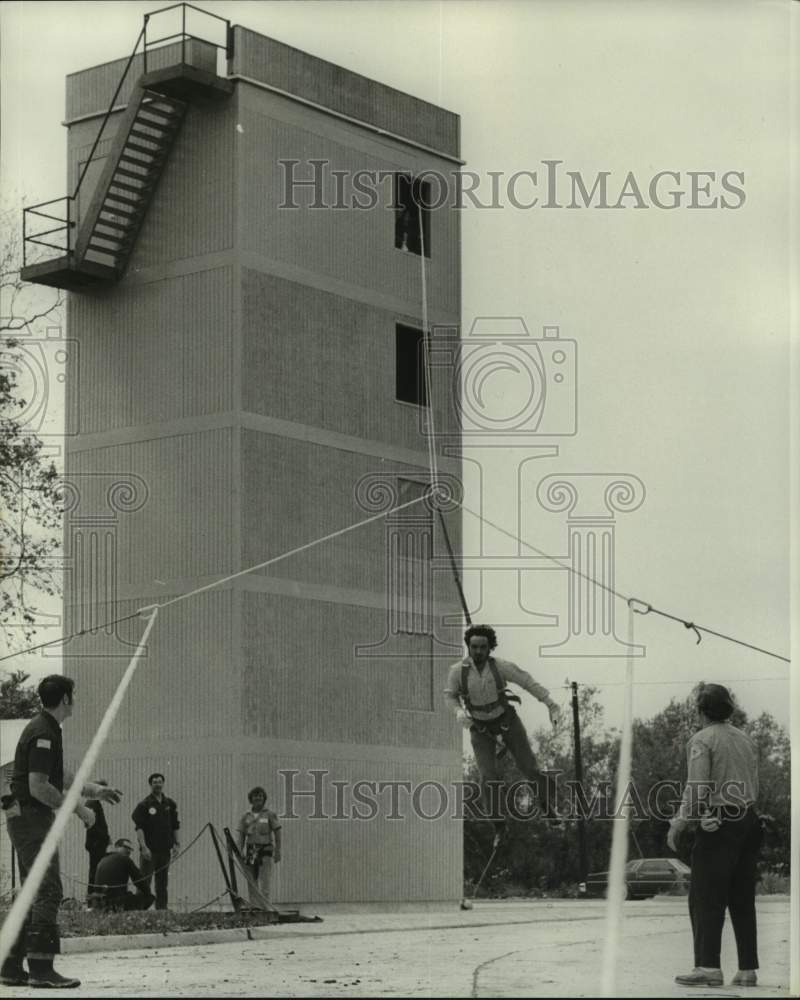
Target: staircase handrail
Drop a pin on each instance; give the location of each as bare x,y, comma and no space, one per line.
69,223
111,106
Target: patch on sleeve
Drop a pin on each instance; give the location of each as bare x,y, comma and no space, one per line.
44,744
697,751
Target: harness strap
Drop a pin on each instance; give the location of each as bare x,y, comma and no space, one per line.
504,696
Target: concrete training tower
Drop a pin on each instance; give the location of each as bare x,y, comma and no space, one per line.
243,378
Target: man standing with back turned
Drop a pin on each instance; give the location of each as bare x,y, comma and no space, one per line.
156,822
37,788
721,790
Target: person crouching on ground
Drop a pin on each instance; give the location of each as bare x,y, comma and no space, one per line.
114,871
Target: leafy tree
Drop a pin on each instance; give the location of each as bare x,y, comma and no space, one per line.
30,500
18,700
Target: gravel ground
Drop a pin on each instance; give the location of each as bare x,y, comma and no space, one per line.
499,949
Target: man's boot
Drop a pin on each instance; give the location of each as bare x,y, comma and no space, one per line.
44,976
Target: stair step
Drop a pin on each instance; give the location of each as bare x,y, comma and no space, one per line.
135,150
119,210
111,251
123,224
117,246
159,102
143,189
162,134
118,227
120,221
141,148
162,108
132,173
164,118
127,156
158,139
124,199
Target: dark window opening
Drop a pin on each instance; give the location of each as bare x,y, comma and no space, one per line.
412,199
410,366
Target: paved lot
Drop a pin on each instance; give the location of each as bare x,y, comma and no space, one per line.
518,949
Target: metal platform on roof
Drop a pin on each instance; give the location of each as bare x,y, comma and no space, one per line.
187,83
94,242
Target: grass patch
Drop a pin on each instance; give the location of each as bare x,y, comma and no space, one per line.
74,922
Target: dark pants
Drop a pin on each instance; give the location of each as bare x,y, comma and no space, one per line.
158,867
127,901
96,854
724,876
484,743
27,829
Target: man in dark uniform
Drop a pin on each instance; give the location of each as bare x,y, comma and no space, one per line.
37,788
156,822
113,874
719,800
97,841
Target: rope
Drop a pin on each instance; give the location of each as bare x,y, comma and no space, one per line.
287,555
649,609
16,915
244,572
619,837
426,362
739,680
634,604
63,640
121,885
214,900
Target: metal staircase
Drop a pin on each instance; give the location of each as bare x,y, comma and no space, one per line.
134,166
96,244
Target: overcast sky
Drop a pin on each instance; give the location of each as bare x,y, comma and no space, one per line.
680,316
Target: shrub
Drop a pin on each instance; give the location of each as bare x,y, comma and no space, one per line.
773,883
77,922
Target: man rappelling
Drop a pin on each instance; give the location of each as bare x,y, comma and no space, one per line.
476,689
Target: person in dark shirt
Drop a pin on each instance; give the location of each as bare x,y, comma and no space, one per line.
114,872
156,822
37,791
97,841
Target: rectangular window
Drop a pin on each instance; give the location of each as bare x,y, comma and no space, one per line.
410,366
412,216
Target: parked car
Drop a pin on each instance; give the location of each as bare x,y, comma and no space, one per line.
644,877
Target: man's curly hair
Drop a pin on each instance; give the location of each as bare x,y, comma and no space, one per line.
485,630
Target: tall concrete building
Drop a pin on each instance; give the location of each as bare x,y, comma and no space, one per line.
244,377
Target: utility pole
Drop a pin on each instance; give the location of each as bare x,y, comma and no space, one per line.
576,729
